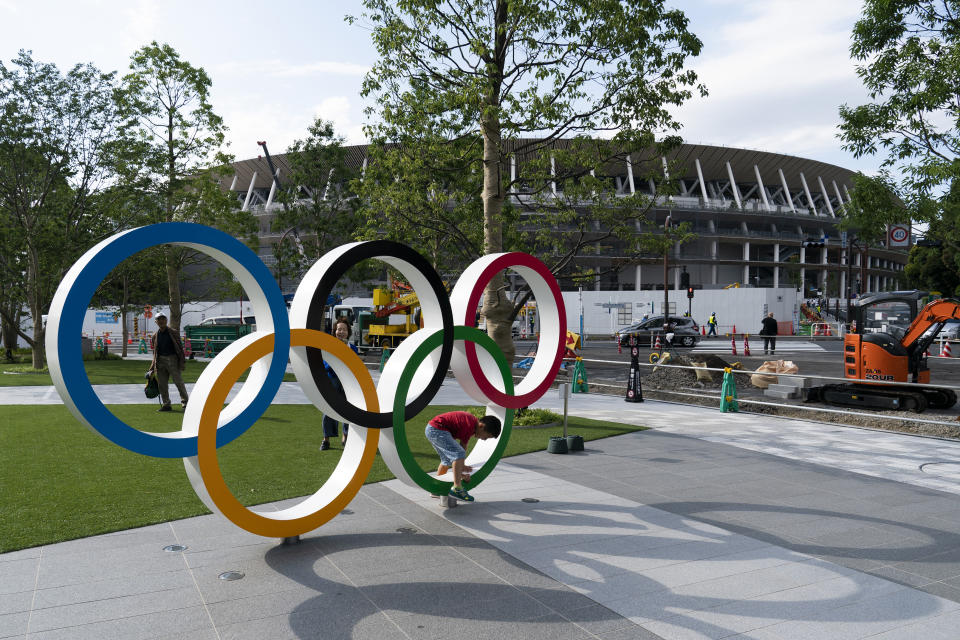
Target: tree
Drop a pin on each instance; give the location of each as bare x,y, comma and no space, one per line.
935,264
326,217
175,152
56,135
482,74
874,204
908,50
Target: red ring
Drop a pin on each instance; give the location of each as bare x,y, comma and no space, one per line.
506,261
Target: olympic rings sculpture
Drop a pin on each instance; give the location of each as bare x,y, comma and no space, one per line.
408,383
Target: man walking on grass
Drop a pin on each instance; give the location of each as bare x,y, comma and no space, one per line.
168,361
449,434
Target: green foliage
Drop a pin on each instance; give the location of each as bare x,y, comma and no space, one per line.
172,158
534,417
57,132
910,64
326,217
873,205
460,91
937,268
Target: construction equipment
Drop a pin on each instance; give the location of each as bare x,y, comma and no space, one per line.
890,343
395,315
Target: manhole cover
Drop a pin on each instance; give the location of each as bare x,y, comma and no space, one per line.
529,500
347,512
174,548
949,470
406,530
230,575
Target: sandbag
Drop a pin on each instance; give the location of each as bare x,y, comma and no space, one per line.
701,370
762,378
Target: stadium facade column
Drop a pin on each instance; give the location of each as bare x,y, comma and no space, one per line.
637,277
246,201
803,270
714,252
763,190
746,263
733,186
826,197
776,263
703,184
786,192
806,191
823,272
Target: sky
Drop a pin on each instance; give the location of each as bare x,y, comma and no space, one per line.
776,70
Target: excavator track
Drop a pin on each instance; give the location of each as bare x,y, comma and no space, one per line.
891,398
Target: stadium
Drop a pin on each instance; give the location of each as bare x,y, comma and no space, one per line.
762,219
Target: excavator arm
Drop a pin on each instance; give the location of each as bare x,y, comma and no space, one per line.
934,313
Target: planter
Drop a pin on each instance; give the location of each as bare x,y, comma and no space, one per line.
575,443
557,445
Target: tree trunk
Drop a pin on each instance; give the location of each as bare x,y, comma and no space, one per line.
36,309
9,333
173,289
497,308
123,315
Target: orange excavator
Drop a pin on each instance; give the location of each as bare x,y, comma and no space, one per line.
888,341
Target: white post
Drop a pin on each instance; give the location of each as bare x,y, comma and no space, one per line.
826,196
636,277
633,188
763,191
703,185
273,189
246,202
786,191
746,265
733,186
806,190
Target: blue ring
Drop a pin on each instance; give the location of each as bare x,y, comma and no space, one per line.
78,299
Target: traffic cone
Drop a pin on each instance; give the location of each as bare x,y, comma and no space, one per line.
734,329
733,344
657,344
728,392
945,350
746,344
829,332
703,330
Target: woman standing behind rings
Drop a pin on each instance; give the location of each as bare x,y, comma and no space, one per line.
341,330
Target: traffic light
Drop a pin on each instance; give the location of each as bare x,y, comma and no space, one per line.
811,243
689,292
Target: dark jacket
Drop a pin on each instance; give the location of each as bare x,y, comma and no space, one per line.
177,346
769,326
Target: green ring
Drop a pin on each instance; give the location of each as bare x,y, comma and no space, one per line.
418,475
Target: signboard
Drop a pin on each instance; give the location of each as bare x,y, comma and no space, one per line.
105,317
898,235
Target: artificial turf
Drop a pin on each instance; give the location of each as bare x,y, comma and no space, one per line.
60,481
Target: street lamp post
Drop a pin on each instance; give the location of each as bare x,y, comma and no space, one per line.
666,273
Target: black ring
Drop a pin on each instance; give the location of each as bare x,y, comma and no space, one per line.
315,320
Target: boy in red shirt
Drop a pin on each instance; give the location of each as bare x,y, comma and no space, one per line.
449,434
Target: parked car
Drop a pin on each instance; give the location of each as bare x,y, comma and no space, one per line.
228,320
686,331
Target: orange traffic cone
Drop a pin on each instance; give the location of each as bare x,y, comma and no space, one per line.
828,333
945,350
657,344
746,344
734,329
733,344
703,330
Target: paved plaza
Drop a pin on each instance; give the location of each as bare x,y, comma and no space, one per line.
709,525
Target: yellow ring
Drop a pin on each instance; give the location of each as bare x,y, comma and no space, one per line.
283,524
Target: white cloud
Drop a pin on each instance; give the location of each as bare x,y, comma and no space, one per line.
340,111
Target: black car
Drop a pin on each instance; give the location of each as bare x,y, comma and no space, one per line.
686,331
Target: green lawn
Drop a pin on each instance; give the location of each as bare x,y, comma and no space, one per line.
100,372
60,481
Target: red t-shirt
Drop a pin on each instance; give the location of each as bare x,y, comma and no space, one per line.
461,425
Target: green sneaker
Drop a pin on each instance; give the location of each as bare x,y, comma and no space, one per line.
460,494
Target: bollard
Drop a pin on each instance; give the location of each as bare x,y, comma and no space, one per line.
945,350
657,345
728,392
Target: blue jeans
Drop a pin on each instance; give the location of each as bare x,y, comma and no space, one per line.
448,448
330,427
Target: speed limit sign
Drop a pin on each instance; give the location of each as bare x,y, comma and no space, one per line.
898,235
